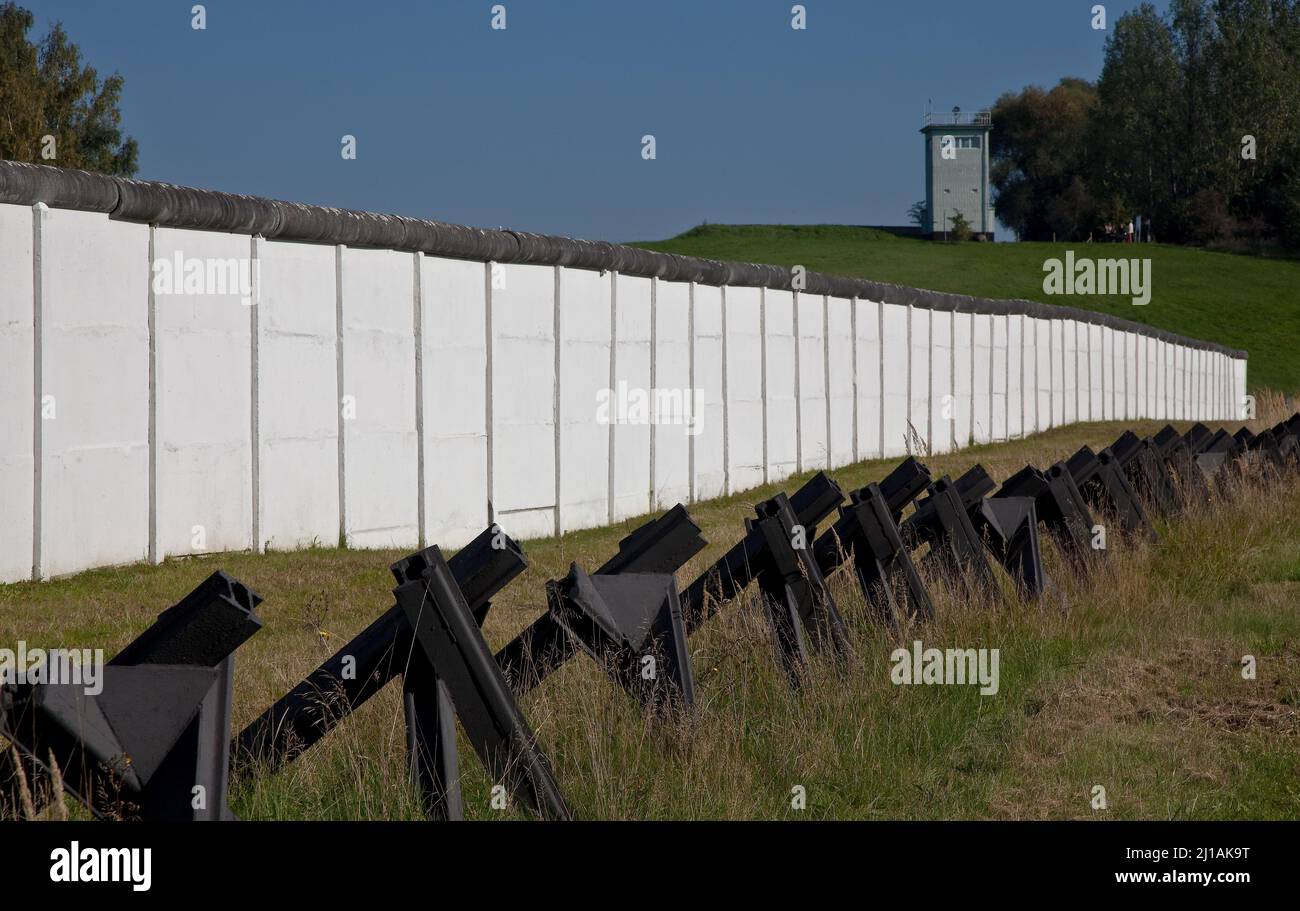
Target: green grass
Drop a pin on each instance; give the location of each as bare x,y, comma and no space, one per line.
1239,301
1131,681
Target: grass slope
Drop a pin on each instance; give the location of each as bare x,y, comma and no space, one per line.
1131,682
1240,301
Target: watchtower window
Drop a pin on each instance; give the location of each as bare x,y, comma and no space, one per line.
968,142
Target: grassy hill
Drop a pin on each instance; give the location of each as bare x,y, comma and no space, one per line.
1241,301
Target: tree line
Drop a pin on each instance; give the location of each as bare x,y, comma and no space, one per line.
1194,125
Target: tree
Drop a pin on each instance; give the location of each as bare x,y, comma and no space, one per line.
1133,135
918,213
46,92
961,229
1038,154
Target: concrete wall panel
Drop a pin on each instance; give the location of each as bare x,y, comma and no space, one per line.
95,364
17,356
839,345
523,400
707,360
814,445
782,407
1015,378
204,396
942,398
1043,362
380,445
589,405
867,327
919,403
454,372
745,390
298,400
896,358
672,427
962,378
982,377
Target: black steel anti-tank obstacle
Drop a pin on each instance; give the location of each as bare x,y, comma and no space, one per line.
157,736
1101,480
799,607
366,664
867,532
446,634
1008,525
661,546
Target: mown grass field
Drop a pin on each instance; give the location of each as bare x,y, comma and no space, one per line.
1240,301
1131,681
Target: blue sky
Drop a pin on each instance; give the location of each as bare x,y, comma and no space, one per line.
538,127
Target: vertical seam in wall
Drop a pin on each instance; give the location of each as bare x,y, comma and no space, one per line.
952,380
1024,414
153,406
654,381
488,416
613,365
338,398
254,416
993,347
907,405
1051,374
880,360
695,418
417,325
762,360
726,405
929,381
1038,408
826,364
38,385
974,346
798,391
555,397
853,353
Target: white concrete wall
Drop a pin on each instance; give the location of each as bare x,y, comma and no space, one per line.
523,399
843,387
380,443
744,385
999,394
1015,378
814,444
708,359
919,398
895,357
782,407
94,463
982,377
298,399
203,378
1043,371
453,372
17,406
962,378
586,330
394,399
942,398
671,443
870,374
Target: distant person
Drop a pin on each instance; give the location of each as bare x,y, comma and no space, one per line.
1129,239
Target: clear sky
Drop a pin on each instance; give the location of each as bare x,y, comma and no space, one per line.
539,126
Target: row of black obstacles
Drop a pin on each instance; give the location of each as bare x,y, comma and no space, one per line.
155,743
